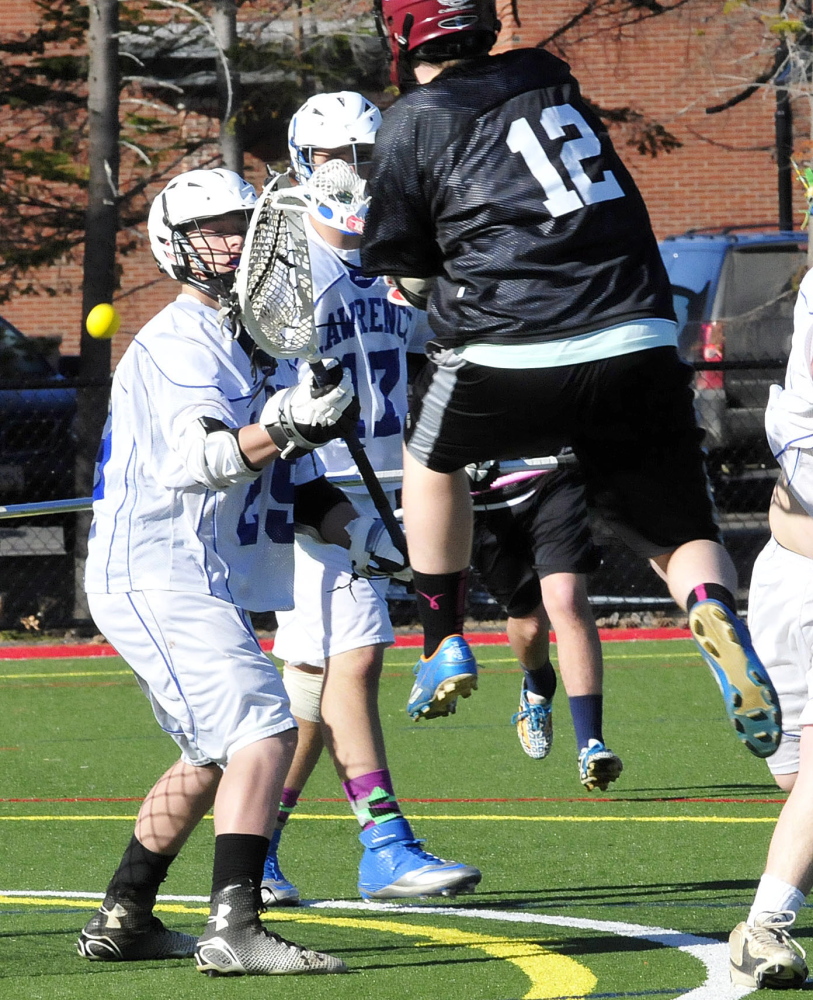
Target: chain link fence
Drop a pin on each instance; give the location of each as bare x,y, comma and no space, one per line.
41,557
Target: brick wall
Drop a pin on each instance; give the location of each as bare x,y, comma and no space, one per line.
670,68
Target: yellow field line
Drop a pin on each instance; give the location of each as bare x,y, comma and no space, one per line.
476,818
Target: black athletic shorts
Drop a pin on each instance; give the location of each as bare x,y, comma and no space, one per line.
629,419
546,533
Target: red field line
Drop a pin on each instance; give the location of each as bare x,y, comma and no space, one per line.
469,801
50,652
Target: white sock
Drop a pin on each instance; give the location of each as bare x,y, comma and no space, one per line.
773,896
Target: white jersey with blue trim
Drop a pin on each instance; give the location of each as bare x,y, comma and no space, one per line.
370,336
156,528
789,414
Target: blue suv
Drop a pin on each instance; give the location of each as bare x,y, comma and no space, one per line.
37,412
734,290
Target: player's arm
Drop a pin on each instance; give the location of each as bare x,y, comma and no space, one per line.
399,232
789,521
293,422
324,512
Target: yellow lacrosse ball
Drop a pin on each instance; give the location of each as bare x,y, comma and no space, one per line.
103,321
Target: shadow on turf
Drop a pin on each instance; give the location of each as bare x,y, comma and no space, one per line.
568,897
715,791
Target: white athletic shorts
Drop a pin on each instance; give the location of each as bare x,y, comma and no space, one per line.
780,618
198,661
333,613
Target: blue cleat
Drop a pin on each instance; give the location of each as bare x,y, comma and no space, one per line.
534,722
750,699
598,766
275,889
449,673
394,866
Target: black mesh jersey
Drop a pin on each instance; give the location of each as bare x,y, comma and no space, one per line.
498,178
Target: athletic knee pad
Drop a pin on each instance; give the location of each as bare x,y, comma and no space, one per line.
304,691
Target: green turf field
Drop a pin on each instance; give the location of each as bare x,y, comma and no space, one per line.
619,894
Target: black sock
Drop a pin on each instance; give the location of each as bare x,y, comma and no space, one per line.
239,858
441,601
139,873
541,681
715,591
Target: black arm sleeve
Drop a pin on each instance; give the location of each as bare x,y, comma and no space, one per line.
313,500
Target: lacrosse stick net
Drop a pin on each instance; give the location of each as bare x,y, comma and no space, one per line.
274,290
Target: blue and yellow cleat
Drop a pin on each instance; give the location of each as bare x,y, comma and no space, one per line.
449,673
750,699
598,766
394,866
534,722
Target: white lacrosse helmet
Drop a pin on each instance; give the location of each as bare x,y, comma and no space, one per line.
331,121
191,197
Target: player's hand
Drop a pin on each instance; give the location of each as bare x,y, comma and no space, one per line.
372,551
307,415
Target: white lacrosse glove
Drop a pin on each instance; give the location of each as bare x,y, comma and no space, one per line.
306,416
372,551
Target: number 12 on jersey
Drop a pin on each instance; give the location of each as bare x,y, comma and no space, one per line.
561,200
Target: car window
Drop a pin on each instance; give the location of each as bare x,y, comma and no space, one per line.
755,301
760,278
20,356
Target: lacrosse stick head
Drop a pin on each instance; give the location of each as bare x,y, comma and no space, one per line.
337,197
273,285
433,31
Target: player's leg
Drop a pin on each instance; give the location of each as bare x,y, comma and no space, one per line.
303,683
702,579
235,942
642,456
503,558
215,691
582,668
437,514
393,865
555,521
460,413
762,952
780,617
124,929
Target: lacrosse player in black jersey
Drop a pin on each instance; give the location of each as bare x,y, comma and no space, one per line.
499,201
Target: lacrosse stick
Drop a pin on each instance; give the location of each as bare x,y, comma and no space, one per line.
274,290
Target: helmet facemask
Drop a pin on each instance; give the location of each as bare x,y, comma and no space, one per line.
199,264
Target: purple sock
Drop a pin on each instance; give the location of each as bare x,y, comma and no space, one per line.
288,801
372,798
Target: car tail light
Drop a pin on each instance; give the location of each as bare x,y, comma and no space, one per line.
712,348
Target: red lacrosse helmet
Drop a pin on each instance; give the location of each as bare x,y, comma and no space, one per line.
441,29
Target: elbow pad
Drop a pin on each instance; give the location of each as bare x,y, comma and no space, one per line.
211,452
